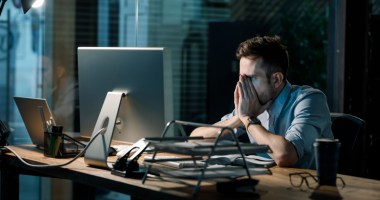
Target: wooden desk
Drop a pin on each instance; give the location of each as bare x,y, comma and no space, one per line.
275,186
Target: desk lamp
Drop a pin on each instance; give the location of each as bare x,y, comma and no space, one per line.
26,4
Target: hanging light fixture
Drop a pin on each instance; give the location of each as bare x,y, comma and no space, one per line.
26,4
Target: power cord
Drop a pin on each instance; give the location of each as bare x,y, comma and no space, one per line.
101,131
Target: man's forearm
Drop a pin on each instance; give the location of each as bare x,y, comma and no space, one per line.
283,152
210,132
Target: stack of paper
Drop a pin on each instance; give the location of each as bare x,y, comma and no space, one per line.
236,159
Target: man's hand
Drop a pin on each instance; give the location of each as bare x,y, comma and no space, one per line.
246,99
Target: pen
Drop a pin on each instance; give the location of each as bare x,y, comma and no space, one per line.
44,125
53,121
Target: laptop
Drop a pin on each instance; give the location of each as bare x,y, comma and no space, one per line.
29,109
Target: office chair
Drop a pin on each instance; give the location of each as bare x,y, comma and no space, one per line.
350,130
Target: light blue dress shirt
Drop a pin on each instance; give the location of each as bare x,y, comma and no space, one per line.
300,114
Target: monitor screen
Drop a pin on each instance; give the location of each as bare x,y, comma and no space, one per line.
143,73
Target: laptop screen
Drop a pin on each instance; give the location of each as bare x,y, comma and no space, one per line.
29,109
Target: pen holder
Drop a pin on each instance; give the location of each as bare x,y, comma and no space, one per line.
52,142
60,145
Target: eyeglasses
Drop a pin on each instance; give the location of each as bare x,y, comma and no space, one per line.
298,179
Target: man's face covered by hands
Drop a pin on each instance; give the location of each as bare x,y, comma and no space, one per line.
250,70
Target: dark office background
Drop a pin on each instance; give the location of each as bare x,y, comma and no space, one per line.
207,70
333,46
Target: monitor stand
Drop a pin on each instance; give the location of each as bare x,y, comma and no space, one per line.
97,153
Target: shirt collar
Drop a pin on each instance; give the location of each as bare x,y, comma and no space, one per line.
280,100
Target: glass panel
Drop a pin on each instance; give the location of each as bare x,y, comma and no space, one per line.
40,59
202,36
20,62
375,7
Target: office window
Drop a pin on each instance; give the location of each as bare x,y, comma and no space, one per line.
375,7
202,35
40,58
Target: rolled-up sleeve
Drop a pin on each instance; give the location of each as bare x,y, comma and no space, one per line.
311,119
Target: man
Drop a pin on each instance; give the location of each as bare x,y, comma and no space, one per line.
295,115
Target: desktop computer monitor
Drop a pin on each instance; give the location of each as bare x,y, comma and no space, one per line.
144,74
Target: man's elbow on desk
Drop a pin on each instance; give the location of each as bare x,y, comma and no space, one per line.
284,161
287,158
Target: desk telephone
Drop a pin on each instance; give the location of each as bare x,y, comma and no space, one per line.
127,165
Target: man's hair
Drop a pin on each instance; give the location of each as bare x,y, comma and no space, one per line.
273,53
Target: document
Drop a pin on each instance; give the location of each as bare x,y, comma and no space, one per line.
216,171
204,148
173,161
237,160
253,161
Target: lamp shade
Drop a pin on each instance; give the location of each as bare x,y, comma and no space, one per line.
27,4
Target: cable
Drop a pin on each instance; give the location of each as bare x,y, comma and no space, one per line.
101,131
